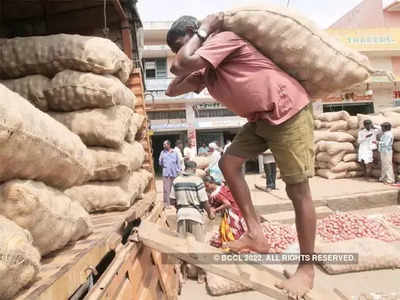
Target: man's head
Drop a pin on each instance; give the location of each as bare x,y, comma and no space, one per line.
204,145
167,145
210,183
213,146
367,124
190,166
191,143
181,31
386,126
179,144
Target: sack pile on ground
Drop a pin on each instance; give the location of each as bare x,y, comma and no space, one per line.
335,148
319,62
68,125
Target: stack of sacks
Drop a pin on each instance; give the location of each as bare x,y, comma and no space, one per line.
335,140
391,115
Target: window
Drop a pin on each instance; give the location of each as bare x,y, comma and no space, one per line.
156,68
213,113
167,115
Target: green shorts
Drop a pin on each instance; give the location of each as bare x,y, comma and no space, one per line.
291,143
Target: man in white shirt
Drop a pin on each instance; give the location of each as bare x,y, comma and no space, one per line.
367,145
190,152
178,149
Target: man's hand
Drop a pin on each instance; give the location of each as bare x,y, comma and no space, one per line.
211,215
213,23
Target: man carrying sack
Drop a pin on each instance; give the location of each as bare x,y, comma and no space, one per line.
280,118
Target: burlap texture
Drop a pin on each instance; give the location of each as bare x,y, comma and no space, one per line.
340,125
373,254
332,159
49,215
105,127
345,166
111,195
31,88
320,63
335,147
350,157
35,146
135,129
48,55
328,174
113,164
19,260
73,90
332,136
333,116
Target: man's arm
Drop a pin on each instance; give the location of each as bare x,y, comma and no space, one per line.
161,160
187,61
184,84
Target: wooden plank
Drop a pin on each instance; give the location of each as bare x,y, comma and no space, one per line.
126,291
257,277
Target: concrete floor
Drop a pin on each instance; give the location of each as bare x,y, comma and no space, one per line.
348,194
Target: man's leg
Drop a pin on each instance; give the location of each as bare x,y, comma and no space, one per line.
273,169
197,229
270,179
303,279
166,194
254,239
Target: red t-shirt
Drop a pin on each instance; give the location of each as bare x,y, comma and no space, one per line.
247,82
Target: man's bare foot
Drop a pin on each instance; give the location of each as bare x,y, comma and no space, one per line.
253,242
300,283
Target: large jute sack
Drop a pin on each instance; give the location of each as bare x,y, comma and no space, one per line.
352,122
396,157
335,147
332,136
218,286
48,55
106,127
35,146
393,118
135,129
73,90
19,260
202,161
32,88
331,159
321,165
353,132
49,215
317,124
113,164
350,157
391,109
111,195
328,174
375,119
373,254
396,134
396,146
340,125
334,116
319,62
345,166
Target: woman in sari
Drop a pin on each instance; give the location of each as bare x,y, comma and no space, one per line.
232,224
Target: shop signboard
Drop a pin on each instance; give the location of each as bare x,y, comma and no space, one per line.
220,123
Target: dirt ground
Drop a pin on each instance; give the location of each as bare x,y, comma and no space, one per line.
352,284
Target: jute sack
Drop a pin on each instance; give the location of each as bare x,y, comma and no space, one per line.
350,157
49,215
322,165
345,166
105,127
35,146
352,122
373,254
332,136
135,127
202,161
19,260
317,124
375,119
340,125
328,174
319,62
335,147
48,55
73,90
113,164
334,116
396,134
218,286
31,88
111,195
332,159
393,118
391,109
396,146
353,132
396,157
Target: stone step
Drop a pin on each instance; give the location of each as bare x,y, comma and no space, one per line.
288,217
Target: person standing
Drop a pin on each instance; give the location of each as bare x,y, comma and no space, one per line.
169,162
385,148
367,145
191,198
213,166
279,115
178,149
269,163
189,152
203,150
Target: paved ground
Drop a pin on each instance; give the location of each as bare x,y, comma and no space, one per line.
344,193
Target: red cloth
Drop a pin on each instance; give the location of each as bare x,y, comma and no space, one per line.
248,83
